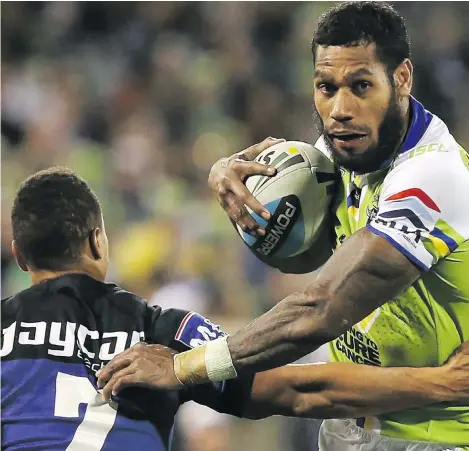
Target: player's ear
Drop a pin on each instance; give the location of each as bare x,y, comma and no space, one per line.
403,78
20,261
95,245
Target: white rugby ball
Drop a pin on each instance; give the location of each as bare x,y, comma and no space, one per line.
297,197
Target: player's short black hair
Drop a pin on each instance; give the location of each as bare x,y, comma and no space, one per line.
365,22
53,214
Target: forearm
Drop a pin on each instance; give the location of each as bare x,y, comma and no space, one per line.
362,390
340,390
279,346
348,288
293,328
364,273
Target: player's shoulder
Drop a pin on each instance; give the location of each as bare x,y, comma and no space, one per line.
6,302
122,298
67,295
124,304
437,159
12,305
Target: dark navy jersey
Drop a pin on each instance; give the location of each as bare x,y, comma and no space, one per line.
56,335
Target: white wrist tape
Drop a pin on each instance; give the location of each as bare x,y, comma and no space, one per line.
218,360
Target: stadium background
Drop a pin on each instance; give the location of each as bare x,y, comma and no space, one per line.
141,98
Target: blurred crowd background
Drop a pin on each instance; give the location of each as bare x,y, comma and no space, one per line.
141,98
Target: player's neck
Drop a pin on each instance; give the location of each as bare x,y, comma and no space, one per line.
42,276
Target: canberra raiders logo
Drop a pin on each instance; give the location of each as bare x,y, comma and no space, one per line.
372,210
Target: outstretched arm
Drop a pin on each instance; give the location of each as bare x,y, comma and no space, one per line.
365,272
345,390
330,390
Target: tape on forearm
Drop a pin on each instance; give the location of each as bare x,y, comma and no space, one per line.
210,362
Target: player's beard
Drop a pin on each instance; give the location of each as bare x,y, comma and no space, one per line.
390,134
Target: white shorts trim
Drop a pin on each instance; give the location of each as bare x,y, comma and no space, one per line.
345,435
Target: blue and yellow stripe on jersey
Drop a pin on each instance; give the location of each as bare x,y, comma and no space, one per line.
353,198
442,240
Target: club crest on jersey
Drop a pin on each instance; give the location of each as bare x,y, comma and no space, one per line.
372,210
195,330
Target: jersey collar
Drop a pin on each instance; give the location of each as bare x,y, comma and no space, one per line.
421,119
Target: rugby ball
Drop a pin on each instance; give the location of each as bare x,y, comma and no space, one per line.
297,197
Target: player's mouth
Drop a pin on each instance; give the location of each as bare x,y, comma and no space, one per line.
347,139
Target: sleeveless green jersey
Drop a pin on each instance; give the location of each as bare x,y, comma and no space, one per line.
420,204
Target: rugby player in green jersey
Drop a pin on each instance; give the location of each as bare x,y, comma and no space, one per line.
396,290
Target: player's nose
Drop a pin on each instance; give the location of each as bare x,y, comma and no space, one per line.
343,103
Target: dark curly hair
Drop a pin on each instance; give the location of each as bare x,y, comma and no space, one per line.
53,214
355,23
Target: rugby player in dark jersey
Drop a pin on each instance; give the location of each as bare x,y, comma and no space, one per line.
57,334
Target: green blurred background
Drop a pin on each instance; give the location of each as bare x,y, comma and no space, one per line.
141,98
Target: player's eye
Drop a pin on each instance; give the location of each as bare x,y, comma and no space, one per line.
361,86
326,88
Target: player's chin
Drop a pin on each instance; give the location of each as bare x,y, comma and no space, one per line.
352,148
356,159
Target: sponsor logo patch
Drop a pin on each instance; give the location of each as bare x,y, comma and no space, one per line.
195,330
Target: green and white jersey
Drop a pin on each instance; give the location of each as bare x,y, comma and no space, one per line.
420,204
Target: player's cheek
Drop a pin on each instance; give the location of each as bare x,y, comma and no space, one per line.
378,108
323,107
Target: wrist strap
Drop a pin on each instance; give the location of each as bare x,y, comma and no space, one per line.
210,362
218,360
